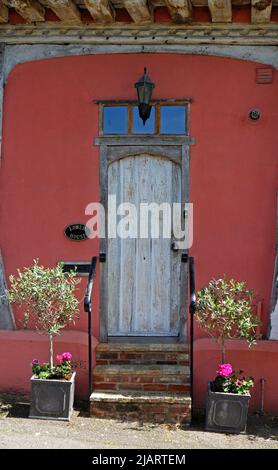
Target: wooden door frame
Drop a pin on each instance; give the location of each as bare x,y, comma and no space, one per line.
174,148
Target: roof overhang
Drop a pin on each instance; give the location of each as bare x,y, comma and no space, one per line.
139,22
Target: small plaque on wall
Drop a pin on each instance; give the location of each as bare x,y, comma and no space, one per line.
77,232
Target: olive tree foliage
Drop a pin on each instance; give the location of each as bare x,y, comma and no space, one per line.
47,296
225,310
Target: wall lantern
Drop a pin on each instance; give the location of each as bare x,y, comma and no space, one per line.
144,91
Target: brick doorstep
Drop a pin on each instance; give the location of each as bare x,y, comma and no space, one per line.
146,382
141,369
142,347
147,407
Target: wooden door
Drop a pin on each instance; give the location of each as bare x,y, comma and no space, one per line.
144,274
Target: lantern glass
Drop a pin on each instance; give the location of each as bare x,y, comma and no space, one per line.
144,88
144,92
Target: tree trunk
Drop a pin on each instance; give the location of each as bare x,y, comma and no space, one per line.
51,351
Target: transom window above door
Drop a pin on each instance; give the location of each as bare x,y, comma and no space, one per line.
167,117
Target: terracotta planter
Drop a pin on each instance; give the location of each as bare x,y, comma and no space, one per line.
52,399
226,412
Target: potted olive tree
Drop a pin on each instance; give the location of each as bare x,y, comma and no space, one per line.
47,296
225,311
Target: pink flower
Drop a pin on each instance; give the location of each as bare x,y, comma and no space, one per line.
59,358
67,356
35,362
239,382
224,370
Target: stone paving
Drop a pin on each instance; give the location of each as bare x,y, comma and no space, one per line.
19,432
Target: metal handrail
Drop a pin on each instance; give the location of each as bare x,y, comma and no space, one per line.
192,310
88,309
90,283
192,305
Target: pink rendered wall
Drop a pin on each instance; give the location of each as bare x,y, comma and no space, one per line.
50,167
19,348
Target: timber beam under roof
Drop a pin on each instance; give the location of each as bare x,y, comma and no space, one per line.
134,11
152,35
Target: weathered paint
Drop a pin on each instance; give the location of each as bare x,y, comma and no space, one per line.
144,273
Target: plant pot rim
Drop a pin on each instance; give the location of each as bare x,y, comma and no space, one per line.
55,380
227,393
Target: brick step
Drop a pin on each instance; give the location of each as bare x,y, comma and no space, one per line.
142,406
135,347
142,377
136,353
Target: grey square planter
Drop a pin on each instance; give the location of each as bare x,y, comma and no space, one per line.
52,399
226,412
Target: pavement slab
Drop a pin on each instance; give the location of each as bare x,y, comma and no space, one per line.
17,431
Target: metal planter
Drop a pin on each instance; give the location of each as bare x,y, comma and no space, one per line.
226,412
52,399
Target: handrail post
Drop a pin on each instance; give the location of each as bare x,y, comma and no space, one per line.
88,309
192,309
90,375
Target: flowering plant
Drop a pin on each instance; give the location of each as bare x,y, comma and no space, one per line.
229,381
62,370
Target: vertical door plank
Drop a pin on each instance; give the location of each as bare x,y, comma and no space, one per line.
141,316
113,258
175,275
127,249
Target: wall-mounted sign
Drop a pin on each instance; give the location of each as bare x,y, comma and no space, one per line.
76,232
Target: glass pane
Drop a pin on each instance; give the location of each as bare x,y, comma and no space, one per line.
139,127
172,119
115,120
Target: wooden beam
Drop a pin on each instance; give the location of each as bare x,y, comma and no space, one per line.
4,13
101,10
66,10
261,11
30,10
180,10
220,10
155,38
138,10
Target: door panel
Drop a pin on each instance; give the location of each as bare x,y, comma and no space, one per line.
144,273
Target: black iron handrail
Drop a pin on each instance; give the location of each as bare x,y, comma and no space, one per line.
90,283
88,309
192,305
192,310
